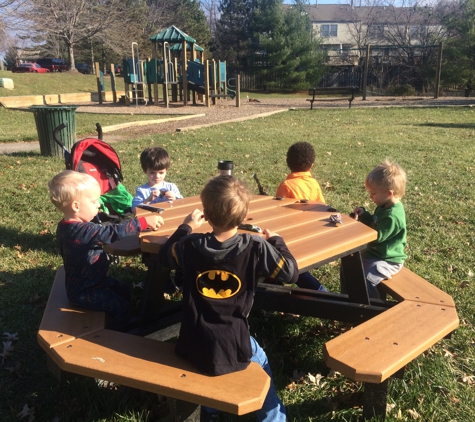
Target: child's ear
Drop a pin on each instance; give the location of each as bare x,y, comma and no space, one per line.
390,193
75,206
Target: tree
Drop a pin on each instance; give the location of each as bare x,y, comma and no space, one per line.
285,52
233,33
459,51
191,19
74,21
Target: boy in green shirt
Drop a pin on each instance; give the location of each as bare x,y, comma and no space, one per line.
385,256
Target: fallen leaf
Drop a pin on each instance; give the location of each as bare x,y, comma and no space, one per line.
17,369
413,413
9,336
26,411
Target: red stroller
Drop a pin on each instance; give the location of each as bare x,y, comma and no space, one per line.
97,158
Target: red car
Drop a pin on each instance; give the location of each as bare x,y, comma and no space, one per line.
29,67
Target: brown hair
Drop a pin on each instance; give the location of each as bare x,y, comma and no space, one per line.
225,201
154,158
390,176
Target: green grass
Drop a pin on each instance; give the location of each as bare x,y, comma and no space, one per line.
434,145
53,83
11,120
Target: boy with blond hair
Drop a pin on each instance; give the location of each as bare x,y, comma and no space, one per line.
221,273
385,256
86,264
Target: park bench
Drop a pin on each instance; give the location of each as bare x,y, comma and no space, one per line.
380,348
342,91
76,341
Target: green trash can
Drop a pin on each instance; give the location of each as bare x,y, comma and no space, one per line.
47,119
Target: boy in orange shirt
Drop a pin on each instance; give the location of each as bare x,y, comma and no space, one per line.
300,184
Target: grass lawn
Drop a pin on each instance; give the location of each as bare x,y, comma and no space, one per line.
434,145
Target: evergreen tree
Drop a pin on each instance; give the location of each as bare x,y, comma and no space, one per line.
459,51
232,40
284,49
191,19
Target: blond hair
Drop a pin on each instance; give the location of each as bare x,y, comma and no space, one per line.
67,186
225,201
390,176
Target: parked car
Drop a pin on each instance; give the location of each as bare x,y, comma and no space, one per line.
29,67
53,65
83,68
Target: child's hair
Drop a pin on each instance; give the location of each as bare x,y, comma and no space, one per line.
154,158
300,156
225,201
390,176
68,185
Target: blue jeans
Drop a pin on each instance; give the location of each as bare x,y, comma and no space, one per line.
272,410
308,281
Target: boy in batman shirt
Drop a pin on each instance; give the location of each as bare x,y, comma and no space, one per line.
221,273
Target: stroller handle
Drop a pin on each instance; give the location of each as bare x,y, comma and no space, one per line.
99,131
56,135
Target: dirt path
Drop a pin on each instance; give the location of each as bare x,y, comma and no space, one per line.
226,111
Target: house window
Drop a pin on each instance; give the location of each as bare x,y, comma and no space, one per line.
376,31
329,30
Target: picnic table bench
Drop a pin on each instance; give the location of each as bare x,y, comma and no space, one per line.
77,341
380,348
342,91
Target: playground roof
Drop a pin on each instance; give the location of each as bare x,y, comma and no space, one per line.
172,34
179,47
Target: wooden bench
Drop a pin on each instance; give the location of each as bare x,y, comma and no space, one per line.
381,347
76,341
344,91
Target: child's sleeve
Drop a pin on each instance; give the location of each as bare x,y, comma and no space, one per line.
284,191
138,198
170,254
366,218
277,262
174,189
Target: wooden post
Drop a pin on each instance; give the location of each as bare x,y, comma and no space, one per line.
184,77
437,74
114,90
238,90
207,99
165,75
98,80
193,58
155,63
365,74
214,81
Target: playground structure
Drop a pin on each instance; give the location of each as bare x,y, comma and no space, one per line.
183,75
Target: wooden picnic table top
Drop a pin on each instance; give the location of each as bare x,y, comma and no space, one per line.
305,227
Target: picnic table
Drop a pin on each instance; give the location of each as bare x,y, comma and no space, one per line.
417,317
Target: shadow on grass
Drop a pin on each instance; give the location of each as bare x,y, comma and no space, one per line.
22,241
449,125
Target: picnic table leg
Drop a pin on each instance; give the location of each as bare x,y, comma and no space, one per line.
375,399
152,299
353,280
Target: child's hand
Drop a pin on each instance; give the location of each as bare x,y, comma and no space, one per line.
358,211
170,195
195,219
268,234
154,221
153,195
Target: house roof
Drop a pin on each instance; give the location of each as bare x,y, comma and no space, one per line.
173,35
345,13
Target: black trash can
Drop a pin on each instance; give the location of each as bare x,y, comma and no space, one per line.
47,119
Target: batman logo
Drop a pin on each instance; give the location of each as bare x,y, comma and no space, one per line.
218,284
